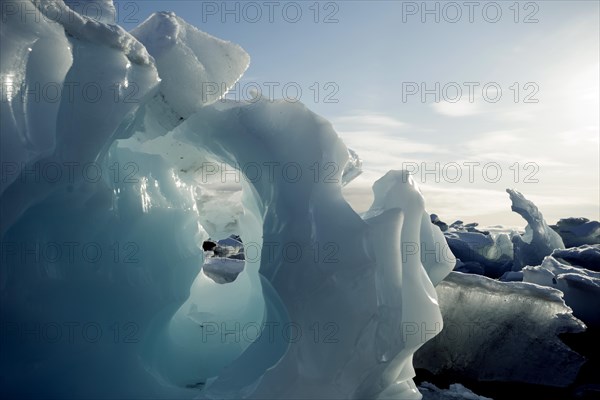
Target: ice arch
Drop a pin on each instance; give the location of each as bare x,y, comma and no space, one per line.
360,304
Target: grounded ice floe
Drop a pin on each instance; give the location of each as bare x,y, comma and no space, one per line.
495,321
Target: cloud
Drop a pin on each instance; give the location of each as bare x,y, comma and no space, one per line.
365,119
581,138
495,140
461,108
511,145
380,142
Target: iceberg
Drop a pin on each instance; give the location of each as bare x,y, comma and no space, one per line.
106,288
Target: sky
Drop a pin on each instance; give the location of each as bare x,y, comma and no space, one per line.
472,97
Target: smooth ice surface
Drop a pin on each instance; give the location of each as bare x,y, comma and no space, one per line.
329,297
28,127
539,239
425,240
495,321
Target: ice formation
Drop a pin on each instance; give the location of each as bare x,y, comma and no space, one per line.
477,252
195,68
326,305
437,221
539,239
495,321
586,256
456,391
222,270
481,252
353,167
88,64
311,214
98,10
578,231
581,287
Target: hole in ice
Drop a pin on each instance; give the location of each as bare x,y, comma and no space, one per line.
224,259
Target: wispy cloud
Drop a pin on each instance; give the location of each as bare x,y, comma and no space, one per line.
360,119
461,108
381,142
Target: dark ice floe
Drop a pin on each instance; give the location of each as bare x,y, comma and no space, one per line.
585,256
578,231
487,323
